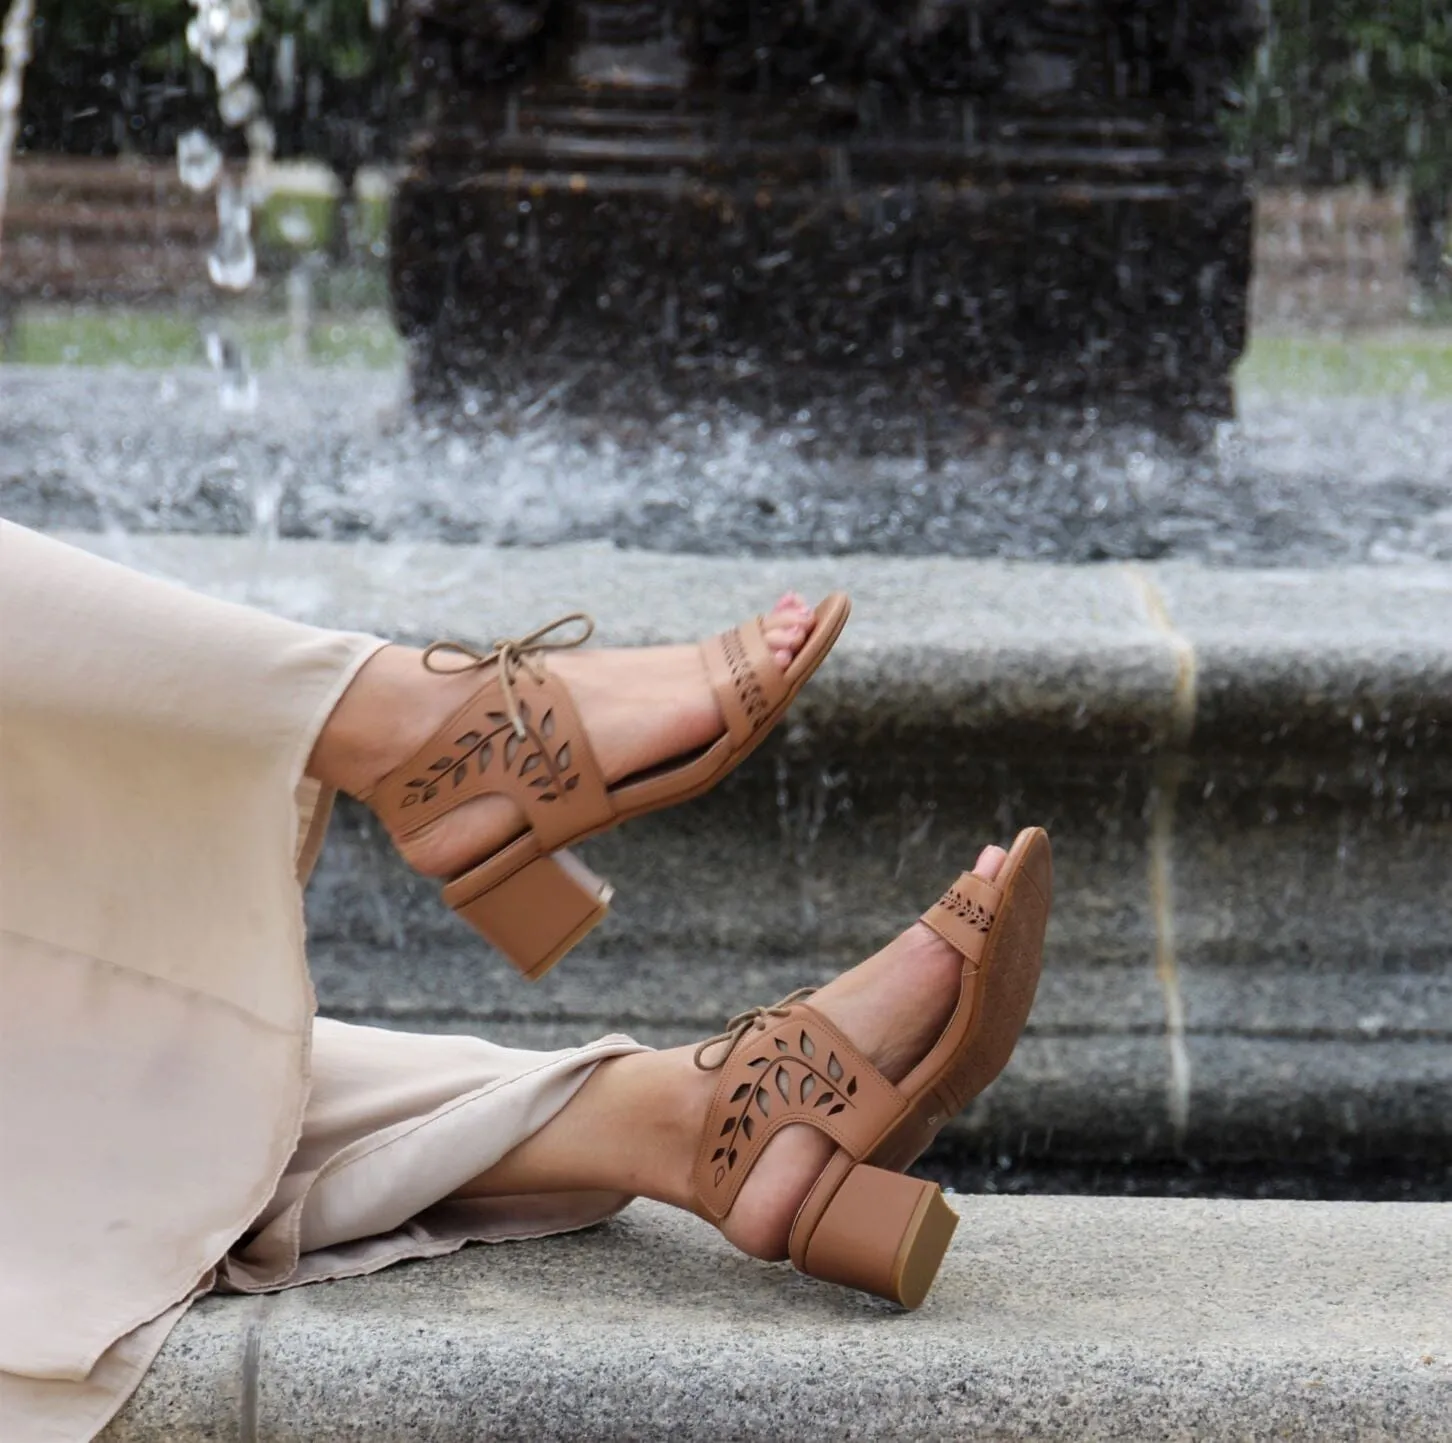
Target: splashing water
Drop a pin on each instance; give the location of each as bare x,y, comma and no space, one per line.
1298,481
15,45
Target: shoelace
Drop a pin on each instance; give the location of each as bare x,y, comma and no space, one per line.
743,1023
512,657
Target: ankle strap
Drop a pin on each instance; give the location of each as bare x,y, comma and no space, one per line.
511,657
789,1065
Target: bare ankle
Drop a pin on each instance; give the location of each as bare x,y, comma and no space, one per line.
376,724
680,1094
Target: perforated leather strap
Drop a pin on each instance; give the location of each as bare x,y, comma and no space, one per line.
550,772
794,1068
745,677
964,913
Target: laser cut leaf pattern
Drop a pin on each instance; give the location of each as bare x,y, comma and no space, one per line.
743,677
789,1080
973,913
533,760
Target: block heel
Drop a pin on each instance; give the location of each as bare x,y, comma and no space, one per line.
880,1232
534,915
864,1224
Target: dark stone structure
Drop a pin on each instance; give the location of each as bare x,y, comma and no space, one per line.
898,218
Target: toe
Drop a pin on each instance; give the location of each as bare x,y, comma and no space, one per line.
792,607
786,630
782,633
990,862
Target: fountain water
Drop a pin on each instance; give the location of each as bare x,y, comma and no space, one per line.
14,53
218,34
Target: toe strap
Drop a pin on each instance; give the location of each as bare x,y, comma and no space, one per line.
963,915
794,1068
748,683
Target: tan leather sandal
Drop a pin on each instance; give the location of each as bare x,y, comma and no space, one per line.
519,736
864,1223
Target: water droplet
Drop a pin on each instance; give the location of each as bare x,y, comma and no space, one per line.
238,103
261,138
198,160
229,61
215,19
232,263
296,228
284,70
237,388
244,19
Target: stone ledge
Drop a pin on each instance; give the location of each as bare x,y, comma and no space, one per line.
1247,775
1154,652
1055,1318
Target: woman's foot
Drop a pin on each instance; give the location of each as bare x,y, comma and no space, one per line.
636,1124
893,1007
640,706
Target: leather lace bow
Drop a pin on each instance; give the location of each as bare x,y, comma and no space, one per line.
741,1024
512,657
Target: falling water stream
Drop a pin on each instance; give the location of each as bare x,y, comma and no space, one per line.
14,54
218,34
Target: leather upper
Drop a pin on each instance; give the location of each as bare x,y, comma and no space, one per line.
549,771
789,1064
529,745
963,915
748,683
792,1066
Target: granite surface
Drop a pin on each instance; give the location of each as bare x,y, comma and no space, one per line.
1054,1319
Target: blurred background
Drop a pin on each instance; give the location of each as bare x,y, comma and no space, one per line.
863,231
1340,111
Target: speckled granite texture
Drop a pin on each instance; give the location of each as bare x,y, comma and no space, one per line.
1070,1319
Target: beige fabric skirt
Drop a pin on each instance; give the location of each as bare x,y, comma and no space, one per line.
172,1117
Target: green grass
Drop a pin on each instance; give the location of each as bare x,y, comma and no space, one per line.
161,338
111,338
1407,362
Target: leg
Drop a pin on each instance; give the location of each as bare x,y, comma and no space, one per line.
640,705
635,1125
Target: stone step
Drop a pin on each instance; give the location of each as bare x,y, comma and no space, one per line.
1247,776
1054,1318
